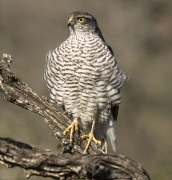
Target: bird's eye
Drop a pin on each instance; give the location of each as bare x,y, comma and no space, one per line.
81,20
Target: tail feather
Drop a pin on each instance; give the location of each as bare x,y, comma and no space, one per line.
110,133
106,133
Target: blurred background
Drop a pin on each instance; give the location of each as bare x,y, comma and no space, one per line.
139,32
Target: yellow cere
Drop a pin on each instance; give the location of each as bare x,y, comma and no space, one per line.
71,19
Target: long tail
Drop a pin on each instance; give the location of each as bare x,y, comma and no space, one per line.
110,133
112,138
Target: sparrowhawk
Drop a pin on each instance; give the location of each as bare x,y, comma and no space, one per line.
84,78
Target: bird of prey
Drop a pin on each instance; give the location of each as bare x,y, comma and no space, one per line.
85,80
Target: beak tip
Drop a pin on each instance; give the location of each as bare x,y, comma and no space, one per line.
70,21
69,24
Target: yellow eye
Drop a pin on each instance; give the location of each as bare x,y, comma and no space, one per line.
81,20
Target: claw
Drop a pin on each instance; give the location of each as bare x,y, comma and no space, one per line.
91,138
73,127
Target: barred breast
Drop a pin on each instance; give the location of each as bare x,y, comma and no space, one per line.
82,74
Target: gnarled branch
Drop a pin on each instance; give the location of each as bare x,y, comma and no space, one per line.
36,161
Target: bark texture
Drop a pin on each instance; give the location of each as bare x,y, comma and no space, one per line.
73,165
36,161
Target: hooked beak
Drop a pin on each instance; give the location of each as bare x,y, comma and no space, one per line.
70,21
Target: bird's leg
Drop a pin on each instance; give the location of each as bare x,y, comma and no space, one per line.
73,127
104,148
91,138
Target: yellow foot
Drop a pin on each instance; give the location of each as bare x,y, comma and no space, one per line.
73,127
91,138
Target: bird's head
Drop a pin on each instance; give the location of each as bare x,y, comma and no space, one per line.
82,22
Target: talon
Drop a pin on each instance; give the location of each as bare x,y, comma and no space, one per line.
73,127
91,138
66,130
96,141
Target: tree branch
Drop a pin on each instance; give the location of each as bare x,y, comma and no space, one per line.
18,92
36,161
